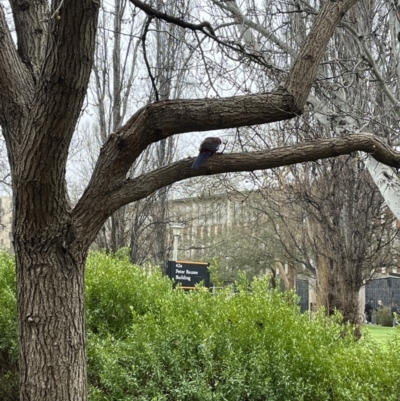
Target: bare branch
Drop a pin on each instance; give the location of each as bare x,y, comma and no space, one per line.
146,61
233,8
369,58
89,216
55,14
174,20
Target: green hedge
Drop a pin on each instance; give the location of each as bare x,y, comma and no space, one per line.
8,330
157,343
147,341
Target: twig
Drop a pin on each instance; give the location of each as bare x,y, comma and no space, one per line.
169,18
153,82
57,10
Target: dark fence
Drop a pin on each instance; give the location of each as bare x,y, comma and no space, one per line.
386,289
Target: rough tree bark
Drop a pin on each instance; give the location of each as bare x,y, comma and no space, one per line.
42,88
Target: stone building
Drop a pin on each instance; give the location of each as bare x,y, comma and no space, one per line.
209,221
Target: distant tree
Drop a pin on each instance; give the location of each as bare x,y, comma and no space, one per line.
333,221
356,88
117,62
246,243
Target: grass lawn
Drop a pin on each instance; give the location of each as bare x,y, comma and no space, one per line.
379,333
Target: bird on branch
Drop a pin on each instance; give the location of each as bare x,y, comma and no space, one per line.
207,148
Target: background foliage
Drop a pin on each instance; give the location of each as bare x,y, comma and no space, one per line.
8,330
384,317
147,341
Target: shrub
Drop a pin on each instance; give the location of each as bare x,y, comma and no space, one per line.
384,317
254,345
148,341
115,287
8,330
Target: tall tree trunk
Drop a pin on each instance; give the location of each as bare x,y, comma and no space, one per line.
51,321
343,295
50,293
38,124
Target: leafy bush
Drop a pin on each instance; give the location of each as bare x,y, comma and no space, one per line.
113,288
254,345
147,341
384,317
8,330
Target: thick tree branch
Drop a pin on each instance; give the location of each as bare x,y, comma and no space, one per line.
161,120
66,68
16,84
164,119
64,79
146,184
31,25
142,186
305,68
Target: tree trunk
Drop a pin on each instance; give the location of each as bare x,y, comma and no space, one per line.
50,296
338,289
51,321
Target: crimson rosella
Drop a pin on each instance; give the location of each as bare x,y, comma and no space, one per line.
207,148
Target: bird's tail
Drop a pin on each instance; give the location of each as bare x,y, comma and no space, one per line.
200,159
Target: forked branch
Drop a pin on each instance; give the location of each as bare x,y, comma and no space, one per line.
107,190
